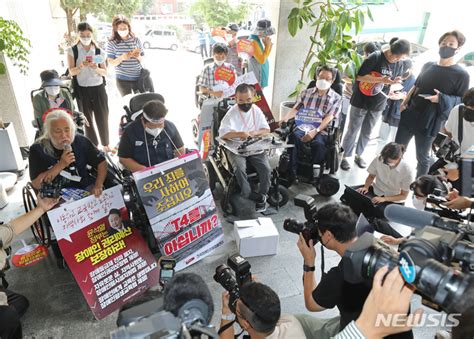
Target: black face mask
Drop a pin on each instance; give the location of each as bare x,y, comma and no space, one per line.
245,107
468,114
446,52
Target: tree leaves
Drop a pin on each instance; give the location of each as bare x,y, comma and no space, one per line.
217,13
330,44
14,45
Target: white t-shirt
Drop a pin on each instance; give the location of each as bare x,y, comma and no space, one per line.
237,121
390,181
288,327
88,77
467,129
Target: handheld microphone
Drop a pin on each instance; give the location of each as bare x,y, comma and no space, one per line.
419,219
72,165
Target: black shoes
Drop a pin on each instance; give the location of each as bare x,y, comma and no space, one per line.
261,205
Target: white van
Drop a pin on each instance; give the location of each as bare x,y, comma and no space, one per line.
160,38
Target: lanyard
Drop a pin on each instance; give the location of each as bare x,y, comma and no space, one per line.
243,120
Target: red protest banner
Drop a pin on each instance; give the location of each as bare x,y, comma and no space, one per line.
181,209
225,74
29,255
245,46
107,256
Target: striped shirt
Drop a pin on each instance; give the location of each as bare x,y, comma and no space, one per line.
350,332
313,108
208,79
128,69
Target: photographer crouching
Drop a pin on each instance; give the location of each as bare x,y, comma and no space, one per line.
14,305
336,228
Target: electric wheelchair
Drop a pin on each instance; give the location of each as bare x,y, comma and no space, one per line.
219,170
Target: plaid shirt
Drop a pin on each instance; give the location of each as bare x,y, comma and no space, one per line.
233,58
207,78
328,104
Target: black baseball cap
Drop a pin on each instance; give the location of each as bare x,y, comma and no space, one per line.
50,78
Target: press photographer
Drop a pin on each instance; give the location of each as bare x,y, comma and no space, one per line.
336,227
14,305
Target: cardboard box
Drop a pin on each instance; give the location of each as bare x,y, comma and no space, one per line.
256,237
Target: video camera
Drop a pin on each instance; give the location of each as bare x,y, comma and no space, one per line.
426,260
52,189
437,200
231,284
309,228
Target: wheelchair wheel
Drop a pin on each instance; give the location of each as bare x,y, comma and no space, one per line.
278,197
210,174
226,203
39,228
327,185
195,131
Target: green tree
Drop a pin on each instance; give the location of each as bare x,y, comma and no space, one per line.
217,13
14,45
107,8
331,43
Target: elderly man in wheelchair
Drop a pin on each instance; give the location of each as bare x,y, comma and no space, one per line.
245,121
312,114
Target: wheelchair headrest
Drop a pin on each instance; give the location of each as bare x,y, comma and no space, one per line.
138,101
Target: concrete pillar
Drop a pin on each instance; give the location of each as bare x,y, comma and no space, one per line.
287,56
9,110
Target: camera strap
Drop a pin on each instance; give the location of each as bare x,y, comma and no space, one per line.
460,123
323,272
226,326
4,280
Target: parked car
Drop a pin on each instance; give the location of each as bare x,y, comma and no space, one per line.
160,38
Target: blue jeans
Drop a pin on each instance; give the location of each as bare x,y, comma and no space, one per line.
318,148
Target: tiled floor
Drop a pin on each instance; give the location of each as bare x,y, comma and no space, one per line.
57,308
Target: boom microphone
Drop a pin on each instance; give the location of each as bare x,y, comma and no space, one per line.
419,219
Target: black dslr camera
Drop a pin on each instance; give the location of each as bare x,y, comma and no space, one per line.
231,284
52,189
445,148
308,228
424,261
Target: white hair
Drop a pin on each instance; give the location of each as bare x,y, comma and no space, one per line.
54,115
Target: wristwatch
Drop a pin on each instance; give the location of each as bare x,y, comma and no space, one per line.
228,317
307,268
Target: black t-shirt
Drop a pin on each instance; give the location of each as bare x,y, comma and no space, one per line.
452,80
375,62
84,151
133,143
333,290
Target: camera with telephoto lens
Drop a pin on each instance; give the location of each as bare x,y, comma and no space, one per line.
437,202
308,228
52,189
231,283
424,261
445,148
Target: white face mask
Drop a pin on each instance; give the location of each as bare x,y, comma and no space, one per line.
419,204
153,131
86,41
323,84
123,33
52,90
219,62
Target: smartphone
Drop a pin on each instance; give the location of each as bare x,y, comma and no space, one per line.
89,59
425,95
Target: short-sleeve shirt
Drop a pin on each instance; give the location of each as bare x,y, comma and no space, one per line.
208,78
128,69
313,108
287,327
88,77
84,151
375,62
237,121
452,126
333,290
390,181
134,142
